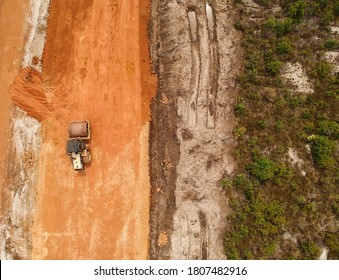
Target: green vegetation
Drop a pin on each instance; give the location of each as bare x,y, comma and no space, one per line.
310,250
297,10
331,44
263,169
328,128
270,196
281,27
332,242
284,46
322,151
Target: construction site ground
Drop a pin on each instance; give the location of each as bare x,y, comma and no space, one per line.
94,63
159,146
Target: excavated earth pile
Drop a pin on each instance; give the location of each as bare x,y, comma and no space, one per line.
28,94
194,51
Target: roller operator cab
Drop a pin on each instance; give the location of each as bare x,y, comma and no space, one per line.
77,149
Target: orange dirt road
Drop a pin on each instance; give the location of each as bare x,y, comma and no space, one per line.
96,68
13,14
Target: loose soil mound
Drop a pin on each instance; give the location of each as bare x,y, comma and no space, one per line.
27,93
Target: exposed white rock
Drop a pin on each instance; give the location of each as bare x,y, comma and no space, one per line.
333,57
295,74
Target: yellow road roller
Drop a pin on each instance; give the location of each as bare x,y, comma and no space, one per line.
77,149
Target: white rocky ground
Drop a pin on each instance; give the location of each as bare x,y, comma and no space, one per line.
333,58
295,75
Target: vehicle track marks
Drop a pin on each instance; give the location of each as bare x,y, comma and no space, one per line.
195,75
214,67
196,66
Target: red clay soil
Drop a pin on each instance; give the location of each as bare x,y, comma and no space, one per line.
96,68
28,93
13,14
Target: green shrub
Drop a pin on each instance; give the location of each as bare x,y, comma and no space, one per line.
280,27
241,181
270,249
294,101
239,26
323,70
262,124
252,141
297,10
336,9
335,208
264,3
331,44
322,149
322,104
269,218
284,46
283,27
331,93
328,128
239,109
326,19
225,183
332,242
323,4
306,114
271,23
310,250
248,255
308,128
240,131
231,250
273,67
239,232
279,125
263,169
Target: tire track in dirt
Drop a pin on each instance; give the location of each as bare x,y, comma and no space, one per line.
200,149
196,66
214,66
